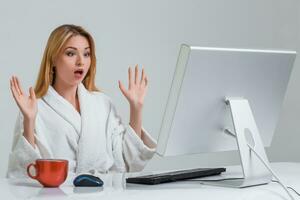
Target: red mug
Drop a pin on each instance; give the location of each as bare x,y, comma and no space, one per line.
49,172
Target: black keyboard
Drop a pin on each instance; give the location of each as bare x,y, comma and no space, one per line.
175,176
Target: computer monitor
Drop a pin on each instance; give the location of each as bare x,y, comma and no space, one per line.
197,117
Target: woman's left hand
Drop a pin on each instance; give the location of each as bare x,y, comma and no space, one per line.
137,88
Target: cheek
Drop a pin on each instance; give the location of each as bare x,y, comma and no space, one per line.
88,64
62,71
64,61
64,68
68,61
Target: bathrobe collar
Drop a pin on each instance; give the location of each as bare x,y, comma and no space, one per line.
64,108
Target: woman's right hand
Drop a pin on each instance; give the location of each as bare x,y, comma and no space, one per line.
27,104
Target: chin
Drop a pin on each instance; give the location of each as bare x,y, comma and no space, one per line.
74,83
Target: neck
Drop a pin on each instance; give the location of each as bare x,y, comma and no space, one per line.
68,92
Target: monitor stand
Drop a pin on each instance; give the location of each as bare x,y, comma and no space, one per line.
246,132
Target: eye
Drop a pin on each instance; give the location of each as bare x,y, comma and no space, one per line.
87,54
70,53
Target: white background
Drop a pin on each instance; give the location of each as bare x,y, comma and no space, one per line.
150,33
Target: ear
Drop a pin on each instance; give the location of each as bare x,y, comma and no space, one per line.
53,69
54,61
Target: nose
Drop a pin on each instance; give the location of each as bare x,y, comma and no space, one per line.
79,61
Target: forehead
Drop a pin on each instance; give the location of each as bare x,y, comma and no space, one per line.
77,41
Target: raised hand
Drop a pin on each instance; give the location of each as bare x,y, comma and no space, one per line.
27,104
137,88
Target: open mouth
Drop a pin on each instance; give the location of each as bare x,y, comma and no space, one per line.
78,72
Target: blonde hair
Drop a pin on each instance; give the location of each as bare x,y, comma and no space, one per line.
56,40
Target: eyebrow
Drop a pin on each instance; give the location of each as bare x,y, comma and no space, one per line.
76,48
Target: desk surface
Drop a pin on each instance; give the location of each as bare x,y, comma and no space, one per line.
115,188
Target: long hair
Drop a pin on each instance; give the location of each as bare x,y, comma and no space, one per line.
56,40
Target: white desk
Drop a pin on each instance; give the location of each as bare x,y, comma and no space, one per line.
116,189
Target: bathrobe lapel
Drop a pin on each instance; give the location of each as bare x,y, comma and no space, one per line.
92,153
63,108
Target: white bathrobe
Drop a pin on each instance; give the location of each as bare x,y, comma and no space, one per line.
93,141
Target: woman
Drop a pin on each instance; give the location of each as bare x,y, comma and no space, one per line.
67,117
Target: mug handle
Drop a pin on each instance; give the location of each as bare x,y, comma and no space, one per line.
28,171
